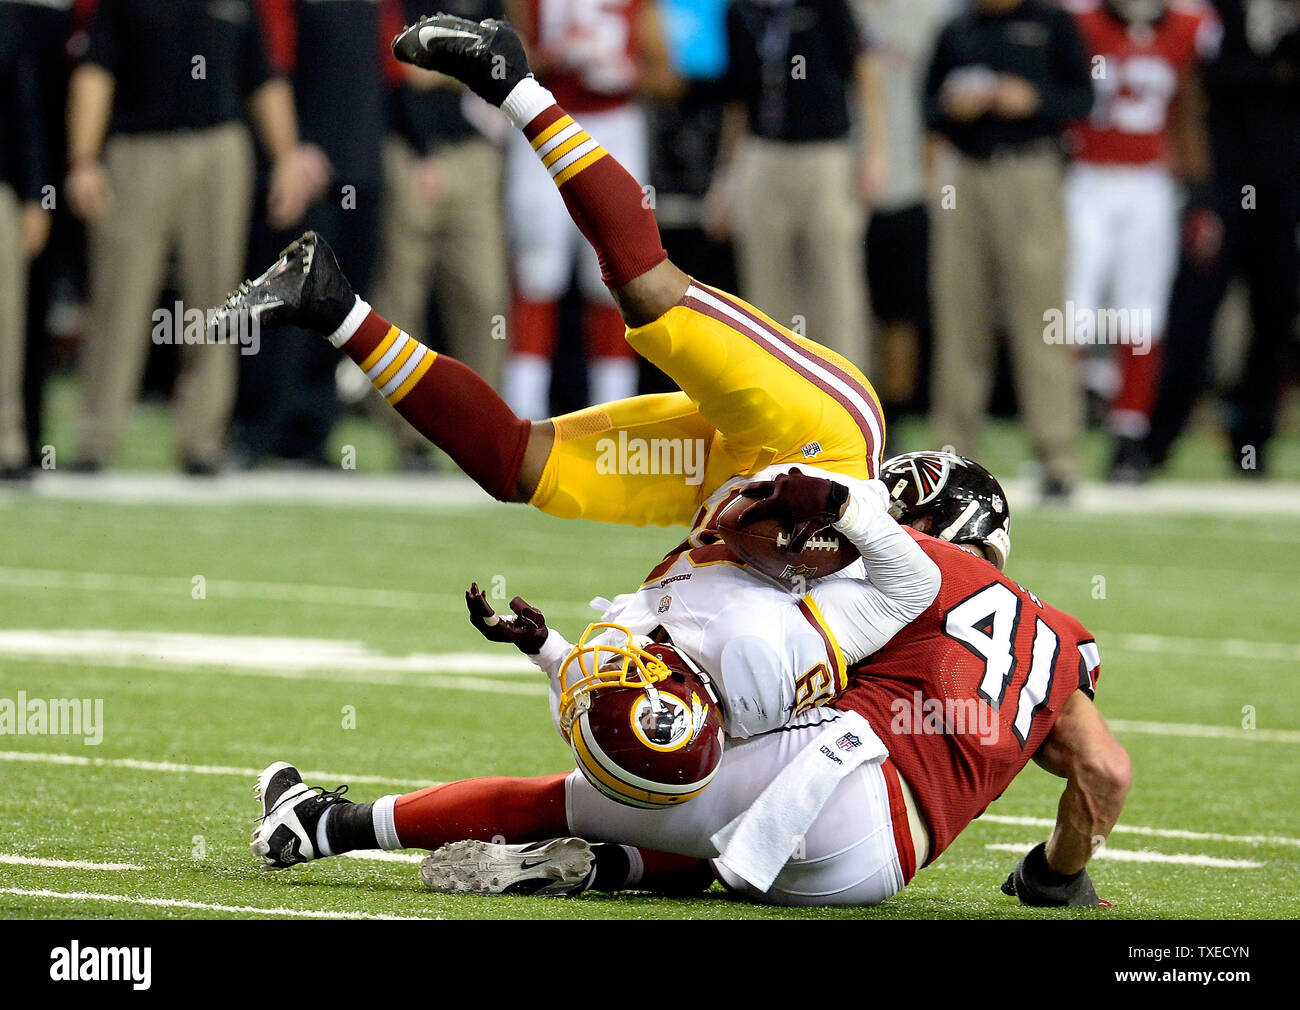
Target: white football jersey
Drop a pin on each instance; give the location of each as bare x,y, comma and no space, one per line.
768,652
772,653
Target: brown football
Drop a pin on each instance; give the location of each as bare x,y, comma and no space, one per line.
764,546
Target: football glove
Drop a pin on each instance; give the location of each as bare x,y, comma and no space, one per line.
526,630
1037,884
802,503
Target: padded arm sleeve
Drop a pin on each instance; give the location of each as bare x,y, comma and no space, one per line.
902,581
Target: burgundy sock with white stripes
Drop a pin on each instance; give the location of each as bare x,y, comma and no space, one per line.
607,204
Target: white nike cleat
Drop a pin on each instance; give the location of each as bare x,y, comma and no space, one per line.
559,867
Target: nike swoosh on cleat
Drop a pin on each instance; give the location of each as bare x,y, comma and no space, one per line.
526,865
438,32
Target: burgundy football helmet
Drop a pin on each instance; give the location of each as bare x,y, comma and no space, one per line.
642,719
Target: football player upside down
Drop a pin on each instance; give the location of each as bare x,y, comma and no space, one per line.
758,398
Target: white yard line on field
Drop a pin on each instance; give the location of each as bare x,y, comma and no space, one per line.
281,658
96,647
341,661
203,906
452,491
1134,829
1131,856
179,587
172,767
8,859
380,856
1195,645
135,764
1191,729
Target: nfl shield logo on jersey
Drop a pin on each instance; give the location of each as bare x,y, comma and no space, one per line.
848,742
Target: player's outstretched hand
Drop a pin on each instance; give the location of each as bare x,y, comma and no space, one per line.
802,503
1036,884
526,630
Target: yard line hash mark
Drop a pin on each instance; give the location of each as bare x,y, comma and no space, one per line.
9,859
126,899
133,764
1134,856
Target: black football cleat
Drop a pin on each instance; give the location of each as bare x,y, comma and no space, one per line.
1130,463
291,810
486,56
304,287
557,868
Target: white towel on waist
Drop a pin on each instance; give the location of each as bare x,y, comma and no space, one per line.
758,843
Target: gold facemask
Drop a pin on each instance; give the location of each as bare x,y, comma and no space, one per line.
596,666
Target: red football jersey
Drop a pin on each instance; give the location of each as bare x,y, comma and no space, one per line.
594,46
965,694
1137,75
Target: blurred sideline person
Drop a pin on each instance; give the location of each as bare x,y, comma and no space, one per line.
336,56
597,58
441,222
902,34
47,29
160,162
1005,79
24,226
1243,223
1122,194
802,152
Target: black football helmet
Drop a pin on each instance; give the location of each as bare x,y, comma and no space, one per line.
965,503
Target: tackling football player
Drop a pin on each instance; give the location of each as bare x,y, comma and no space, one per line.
840,807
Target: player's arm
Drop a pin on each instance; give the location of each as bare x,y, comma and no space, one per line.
1097,770
1098,773
862,615
526,630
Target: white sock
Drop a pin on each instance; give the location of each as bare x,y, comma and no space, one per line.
351,323
526,385
526,100
381,814
322,838
635,866
612,379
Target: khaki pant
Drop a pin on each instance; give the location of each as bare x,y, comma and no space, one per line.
1000,254
190,193
13,332
799,224
458,245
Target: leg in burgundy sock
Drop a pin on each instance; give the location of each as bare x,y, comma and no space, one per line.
445,401
607,204
1139,383
518,810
